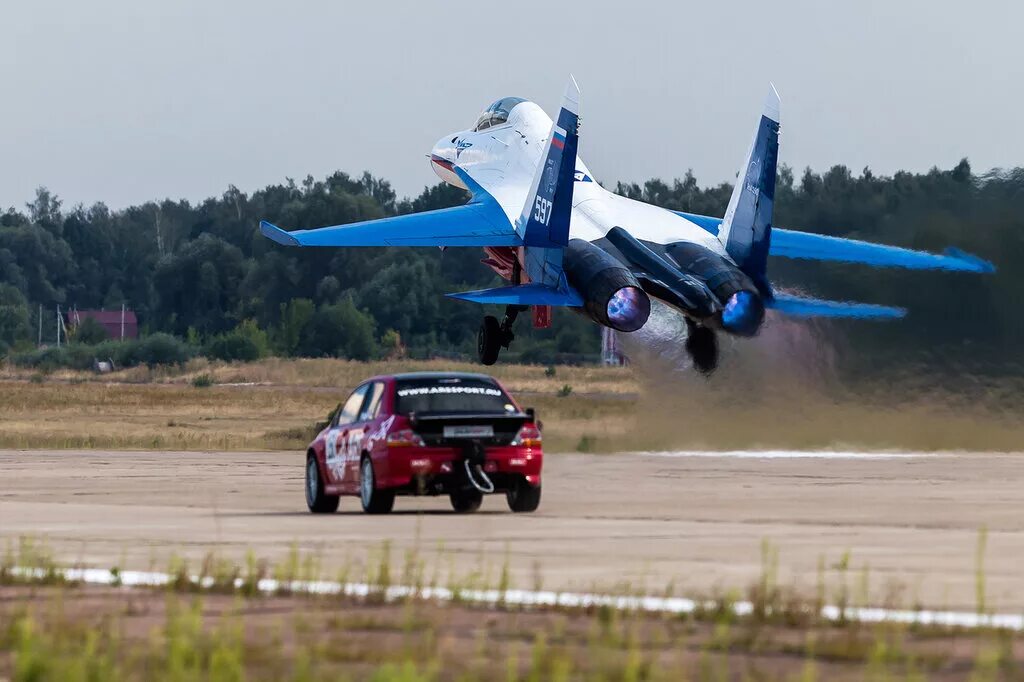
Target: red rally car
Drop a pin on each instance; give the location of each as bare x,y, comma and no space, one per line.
426,433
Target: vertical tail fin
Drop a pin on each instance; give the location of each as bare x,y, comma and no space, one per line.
544,223
746,228
545,217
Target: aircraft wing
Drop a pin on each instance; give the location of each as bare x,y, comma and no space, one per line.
794,244
467,225
481,222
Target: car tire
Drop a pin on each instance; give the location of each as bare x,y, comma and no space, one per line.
466,501
523,498
318,501
488,340
375,501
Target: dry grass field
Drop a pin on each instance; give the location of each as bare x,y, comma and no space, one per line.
275,404
271,405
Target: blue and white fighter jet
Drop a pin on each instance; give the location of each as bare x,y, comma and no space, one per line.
560,239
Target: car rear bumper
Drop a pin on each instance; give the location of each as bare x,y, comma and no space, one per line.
438,470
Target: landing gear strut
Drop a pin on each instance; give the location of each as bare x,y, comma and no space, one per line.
494,336
702,346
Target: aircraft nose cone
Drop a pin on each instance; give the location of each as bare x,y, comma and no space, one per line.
444,149
443,158
743,313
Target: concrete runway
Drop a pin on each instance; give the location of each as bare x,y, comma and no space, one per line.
693,521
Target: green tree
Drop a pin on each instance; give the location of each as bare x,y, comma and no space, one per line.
13,316
244,343
295,317
403,296
45,211
199,286
340,330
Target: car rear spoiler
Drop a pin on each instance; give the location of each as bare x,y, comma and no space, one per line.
431,426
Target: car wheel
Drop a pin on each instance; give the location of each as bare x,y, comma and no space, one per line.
317,501
466,501
488,340
374,501
523,497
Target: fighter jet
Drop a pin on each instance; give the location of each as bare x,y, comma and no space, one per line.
561,239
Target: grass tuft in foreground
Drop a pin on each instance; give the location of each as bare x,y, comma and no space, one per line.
222,623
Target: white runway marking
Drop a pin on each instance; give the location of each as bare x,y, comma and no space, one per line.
794,454
673,605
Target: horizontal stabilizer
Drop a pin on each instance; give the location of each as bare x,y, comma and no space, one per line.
798,306
523,294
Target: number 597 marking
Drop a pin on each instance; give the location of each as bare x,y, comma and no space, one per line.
542,210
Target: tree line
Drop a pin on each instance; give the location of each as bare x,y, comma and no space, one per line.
203,274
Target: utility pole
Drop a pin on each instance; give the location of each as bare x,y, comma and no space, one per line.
40,342
122,321
58,326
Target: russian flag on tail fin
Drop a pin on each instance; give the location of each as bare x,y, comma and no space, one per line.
746,228
544,221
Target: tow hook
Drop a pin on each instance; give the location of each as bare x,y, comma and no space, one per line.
473,457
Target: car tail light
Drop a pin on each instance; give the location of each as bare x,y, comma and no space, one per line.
404,438
528,436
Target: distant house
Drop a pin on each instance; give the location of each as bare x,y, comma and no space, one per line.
119,324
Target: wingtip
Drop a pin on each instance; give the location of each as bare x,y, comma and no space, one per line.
276,234
975,263
773,103
896,313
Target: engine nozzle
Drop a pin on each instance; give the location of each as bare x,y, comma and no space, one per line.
612,296
628,309
743,313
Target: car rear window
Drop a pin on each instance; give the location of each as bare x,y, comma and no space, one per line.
451,395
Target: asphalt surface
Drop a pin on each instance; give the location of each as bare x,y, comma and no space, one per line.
910,525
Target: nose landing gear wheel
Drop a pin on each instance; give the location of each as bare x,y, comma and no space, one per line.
494,336
489,340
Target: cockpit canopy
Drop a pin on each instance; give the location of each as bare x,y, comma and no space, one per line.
497,113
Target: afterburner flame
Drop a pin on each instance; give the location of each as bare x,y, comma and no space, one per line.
628,309
743,313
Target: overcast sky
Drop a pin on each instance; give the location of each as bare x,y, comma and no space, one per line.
129,100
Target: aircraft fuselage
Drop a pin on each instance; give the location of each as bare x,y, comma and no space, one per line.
503,158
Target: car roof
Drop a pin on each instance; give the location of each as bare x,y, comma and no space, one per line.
442,375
